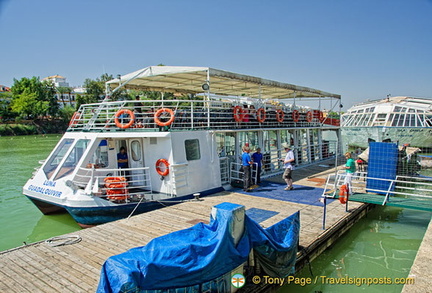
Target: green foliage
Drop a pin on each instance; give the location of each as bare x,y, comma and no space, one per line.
33,98
66,113
17,129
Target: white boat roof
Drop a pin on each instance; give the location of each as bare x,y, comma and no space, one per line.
388,104
189,80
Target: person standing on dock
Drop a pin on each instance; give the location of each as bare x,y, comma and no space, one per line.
246,166
288,166
350,169
257,158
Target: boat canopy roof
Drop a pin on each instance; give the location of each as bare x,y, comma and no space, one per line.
193,80
394,104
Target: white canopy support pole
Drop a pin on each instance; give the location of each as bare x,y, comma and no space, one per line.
208,98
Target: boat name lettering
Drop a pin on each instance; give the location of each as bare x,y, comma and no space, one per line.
46,191
49,183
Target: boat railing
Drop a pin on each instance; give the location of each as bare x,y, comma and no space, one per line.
224,170
237,172
126,184
408,186
157,115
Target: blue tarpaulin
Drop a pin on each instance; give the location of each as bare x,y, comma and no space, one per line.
200,254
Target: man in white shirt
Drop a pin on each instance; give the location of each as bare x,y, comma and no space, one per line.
288,166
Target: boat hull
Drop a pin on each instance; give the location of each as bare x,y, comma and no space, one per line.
47,208
91,215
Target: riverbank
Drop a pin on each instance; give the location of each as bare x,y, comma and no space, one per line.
33,127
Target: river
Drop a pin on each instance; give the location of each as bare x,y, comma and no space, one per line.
20,221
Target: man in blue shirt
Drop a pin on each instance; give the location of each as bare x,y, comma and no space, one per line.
257,158
122,158
246,165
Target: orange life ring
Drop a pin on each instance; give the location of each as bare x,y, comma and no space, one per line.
320,116
343,194
280,115
131,118
238,113
159,113
74,120
165,163
309,116
261,115
296,116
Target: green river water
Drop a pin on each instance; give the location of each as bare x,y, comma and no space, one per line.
20,220
382,245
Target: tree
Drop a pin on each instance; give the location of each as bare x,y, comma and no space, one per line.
28,105
32,92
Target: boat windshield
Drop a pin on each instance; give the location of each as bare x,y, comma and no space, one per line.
57,156
73,158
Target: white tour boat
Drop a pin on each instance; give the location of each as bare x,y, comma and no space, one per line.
405,120
178,147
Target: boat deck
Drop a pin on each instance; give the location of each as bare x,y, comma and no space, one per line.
40,267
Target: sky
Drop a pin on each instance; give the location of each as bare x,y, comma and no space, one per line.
360,49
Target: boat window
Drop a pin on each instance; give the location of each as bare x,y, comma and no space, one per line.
136,150
100,157
192,148
401,120
411,110
412,120
419,120
73,158
360,111
57,156
397,109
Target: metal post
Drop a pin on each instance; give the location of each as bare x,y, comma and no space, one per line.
324,213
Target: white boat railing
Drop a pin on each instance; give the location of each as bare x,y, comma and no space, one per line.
418,187
190,114
224,170
237,173
127,184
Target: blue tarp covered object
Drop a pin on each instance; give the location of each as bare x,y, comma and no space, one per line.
200,254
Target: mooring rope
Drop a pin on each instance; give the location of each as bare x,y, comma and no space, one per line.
63,240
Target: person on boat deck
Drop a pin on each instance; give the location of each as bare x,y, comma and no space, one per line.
246,165
122,158
288,166
350,169
257,158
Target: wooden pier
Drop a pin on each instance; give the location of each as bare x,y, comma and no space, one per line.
40,267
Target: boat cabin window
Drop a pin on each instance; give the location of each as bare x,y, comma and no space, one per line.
136,150
57,156
100,156
73,158
192,148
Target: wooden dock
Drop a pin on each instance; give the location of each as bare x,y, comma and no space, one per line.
40,267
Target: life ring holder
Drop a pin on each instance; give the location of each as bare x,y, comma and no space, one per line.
309,116
280,115
74,120
159,170
296,115
261,115
159,113
238,113
131,118
343,194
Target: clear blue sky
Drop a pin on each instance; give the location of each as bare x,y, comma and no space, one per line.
360,49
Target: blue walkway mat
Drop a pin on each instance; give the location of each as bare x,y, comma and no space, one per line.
300,194
260,215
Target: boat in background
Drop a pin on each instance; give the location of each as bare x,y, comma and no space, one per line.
404,120
176,147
